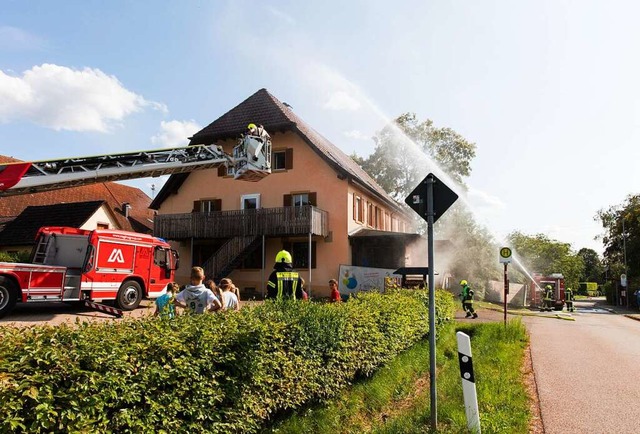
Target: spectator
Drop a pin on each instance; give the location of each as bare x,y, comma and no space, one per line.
165,307
229,299
196,298
335,294
217,305
305,295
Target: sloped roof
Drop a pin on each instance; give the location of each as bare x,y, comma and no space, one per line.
23,229
264,108
112,193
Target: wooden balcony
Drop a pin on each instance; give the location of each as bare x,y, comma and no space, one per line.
285,221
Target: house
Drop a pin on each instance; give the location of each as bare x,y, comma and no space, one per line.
102,205
317,203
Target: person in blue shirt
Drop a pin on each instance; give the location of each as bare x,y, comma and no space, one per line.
165,304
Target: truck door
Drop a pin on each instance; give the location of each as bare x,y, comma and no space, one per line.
160,270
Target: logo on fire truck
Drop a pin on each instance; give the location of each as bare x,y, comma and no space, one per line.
116,256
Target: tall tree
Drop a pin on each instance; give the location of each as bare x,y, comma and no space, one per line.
405,148
404,153
621,237
593,268
546,256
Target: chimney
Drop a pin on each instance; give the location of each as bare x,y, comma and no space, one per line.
125,209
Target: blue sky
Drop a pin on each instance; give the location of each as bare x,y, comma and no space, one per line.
548,90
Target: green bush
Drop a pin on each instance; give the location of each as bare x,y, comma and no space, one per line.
209,373
22,256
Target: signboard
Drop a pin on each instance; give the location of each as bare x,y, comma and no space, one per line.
353,279
443,198
623,280
505,255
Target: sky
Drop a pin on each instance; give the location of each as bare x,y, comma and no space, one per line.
548,90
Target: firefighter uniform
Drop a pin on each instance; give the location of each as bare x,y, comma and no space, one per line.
467,300
568,295
284,281
547,301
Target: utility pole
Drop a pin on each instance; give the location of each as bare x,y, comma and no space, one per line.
624,248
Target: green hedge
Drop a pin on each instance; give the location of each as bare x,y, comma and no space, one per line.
210,373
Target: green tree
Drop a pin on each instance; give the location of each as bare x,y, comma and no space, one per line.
404,149
541,254
621,225
405,152
593,268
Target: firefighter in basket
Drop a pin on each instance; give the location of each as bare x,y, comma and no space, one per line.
254,139
467,300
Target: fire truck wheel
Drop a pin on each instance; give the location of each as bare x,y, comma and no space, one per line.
8,296
129,295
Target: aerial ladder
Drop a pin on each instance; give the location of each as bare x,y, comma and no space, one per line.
250,161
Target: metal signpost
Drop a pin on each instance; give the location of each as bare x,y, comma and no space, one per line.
430,199
505,258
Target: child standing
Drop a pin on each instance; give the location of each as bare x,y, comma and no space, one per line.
165,306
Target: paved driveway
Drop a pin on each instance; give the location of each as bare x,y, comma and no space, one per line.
587,371
52,313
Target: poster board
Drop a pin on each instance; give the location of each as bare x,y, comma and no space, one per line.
354,279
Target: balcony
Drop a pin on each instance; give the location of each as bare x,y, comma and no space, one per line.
285,221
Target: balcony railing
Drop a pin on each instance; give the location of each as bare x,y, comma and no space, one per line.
285,221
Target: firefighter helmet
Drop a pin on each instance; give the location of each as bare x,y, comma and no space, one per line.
463,282
284,256
251,126
548,287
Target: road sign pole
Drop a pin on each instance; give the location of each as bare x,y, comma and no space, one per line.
432,305
506,292
438,198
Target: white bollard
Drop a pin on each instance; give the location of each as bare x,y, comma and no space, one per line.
468,382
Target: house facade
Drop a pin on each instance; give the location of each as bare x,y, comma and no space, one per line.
317,203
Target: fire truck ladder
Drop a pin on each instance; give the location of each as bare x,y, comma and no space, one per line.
33,177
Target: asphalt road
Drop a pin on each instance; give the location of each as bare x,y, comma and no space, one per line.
587,371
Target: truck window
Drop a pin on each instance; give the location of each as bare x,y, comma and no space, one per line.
160,257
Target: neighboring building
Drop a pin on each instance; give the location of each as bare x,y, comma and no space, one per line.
317,203
19,234
102,205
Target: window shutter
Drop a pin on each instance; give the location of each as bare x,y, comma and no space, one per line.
288,159
196,206
286,200
222,170
353,211
313,199
217,205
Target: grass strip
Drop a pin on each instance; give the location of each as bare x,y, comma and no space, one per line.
396,398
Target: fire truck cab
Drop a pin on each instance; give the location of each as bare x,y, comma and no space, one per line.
69,264
538,285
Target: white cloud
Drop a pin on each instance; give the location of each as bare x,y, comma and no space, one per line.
175,133
62,98
357,134
15,39
342,100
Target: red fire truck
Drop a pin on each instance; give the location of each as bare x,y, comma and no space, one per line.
69,264
538,285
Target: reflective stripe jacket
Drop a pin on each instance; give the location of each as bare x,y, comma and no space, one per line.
284,281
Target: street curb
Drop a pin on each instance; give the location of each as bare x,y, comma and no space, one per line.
633,317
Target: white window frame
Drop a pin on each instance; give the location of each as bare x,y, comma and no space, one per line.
246,197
